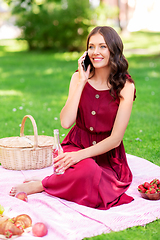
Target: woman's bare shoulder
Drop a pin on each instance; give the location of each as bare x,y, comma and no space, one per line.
128,89
74,81
75,75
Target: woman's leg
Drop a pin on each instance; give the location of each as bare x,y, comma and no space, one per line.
78,184
29,188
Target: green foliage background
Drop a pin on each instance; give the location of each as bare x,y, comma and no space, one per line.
58,24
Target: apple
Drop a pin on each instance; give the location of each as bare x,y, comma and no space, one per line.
22,196
39,229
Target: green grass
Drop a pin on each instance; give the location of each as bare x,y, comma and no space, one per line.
149,232
33,83
36,83
145,119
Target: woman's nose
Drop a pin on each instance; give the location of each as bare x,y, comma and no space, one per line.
96,50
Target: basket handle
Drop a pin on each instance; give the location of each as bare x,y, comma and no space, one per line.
34,128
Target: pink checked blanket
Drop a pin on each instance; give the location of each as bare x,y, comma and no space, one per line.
70,221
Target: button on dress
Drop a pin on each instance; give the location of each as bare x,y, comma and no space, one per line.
99,182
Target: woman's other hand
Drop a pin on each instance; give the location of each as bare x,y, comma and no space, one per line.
65,160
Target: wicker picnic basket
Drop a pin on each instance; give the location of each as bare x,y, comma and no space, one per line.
26,152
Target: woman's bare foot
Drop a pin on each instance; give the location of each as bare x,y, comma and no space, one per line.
29,188
33,178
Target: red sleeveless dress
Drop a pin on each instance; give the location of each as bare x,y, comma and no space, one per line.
99,182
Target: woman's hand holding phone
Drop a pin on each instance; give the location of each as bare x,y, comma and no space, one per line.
86,62
83,68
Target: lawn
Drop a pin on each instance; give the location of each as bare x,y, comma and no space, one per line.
36,83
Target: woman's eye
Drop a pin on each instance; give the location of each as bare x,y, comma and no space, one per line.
103,46
91,47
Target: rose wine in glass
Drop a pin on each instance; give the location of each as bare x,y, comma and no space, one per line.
57,149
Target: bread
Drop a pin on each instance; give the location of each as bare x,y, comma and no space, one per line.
7,224
15,225
23,220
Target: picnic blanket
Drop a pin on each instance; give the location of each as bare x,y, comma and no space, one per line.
69,221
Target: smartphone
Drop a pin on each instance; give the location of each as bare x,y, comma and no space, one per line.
86,62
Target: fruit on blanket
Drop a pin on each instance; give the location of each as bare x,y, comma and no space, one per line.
146,185
22,196
8,234
154,186
156,181
19,225
141,188
22,221
39,229
1,209
150,190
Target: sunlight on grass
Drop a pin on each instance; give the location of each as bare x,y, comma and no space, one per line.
141,40
48,71
67,56
52,70
154,74
10,93
12,45
141,43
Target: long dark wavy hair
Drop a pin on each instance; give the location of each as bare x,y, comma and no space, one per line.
118,63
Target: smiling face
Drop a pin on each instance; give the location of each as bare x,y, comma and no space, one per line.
98,51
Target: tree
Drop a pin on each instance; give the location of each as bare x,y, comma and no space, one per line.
58,24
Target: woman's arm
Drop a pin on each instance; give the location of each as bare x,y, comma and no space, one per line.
69,112
123,114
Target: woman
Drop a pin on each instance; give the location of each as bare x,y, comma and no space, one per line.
99,103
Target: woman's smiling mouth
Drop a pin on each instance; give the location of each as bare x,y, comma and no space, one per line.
97,59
